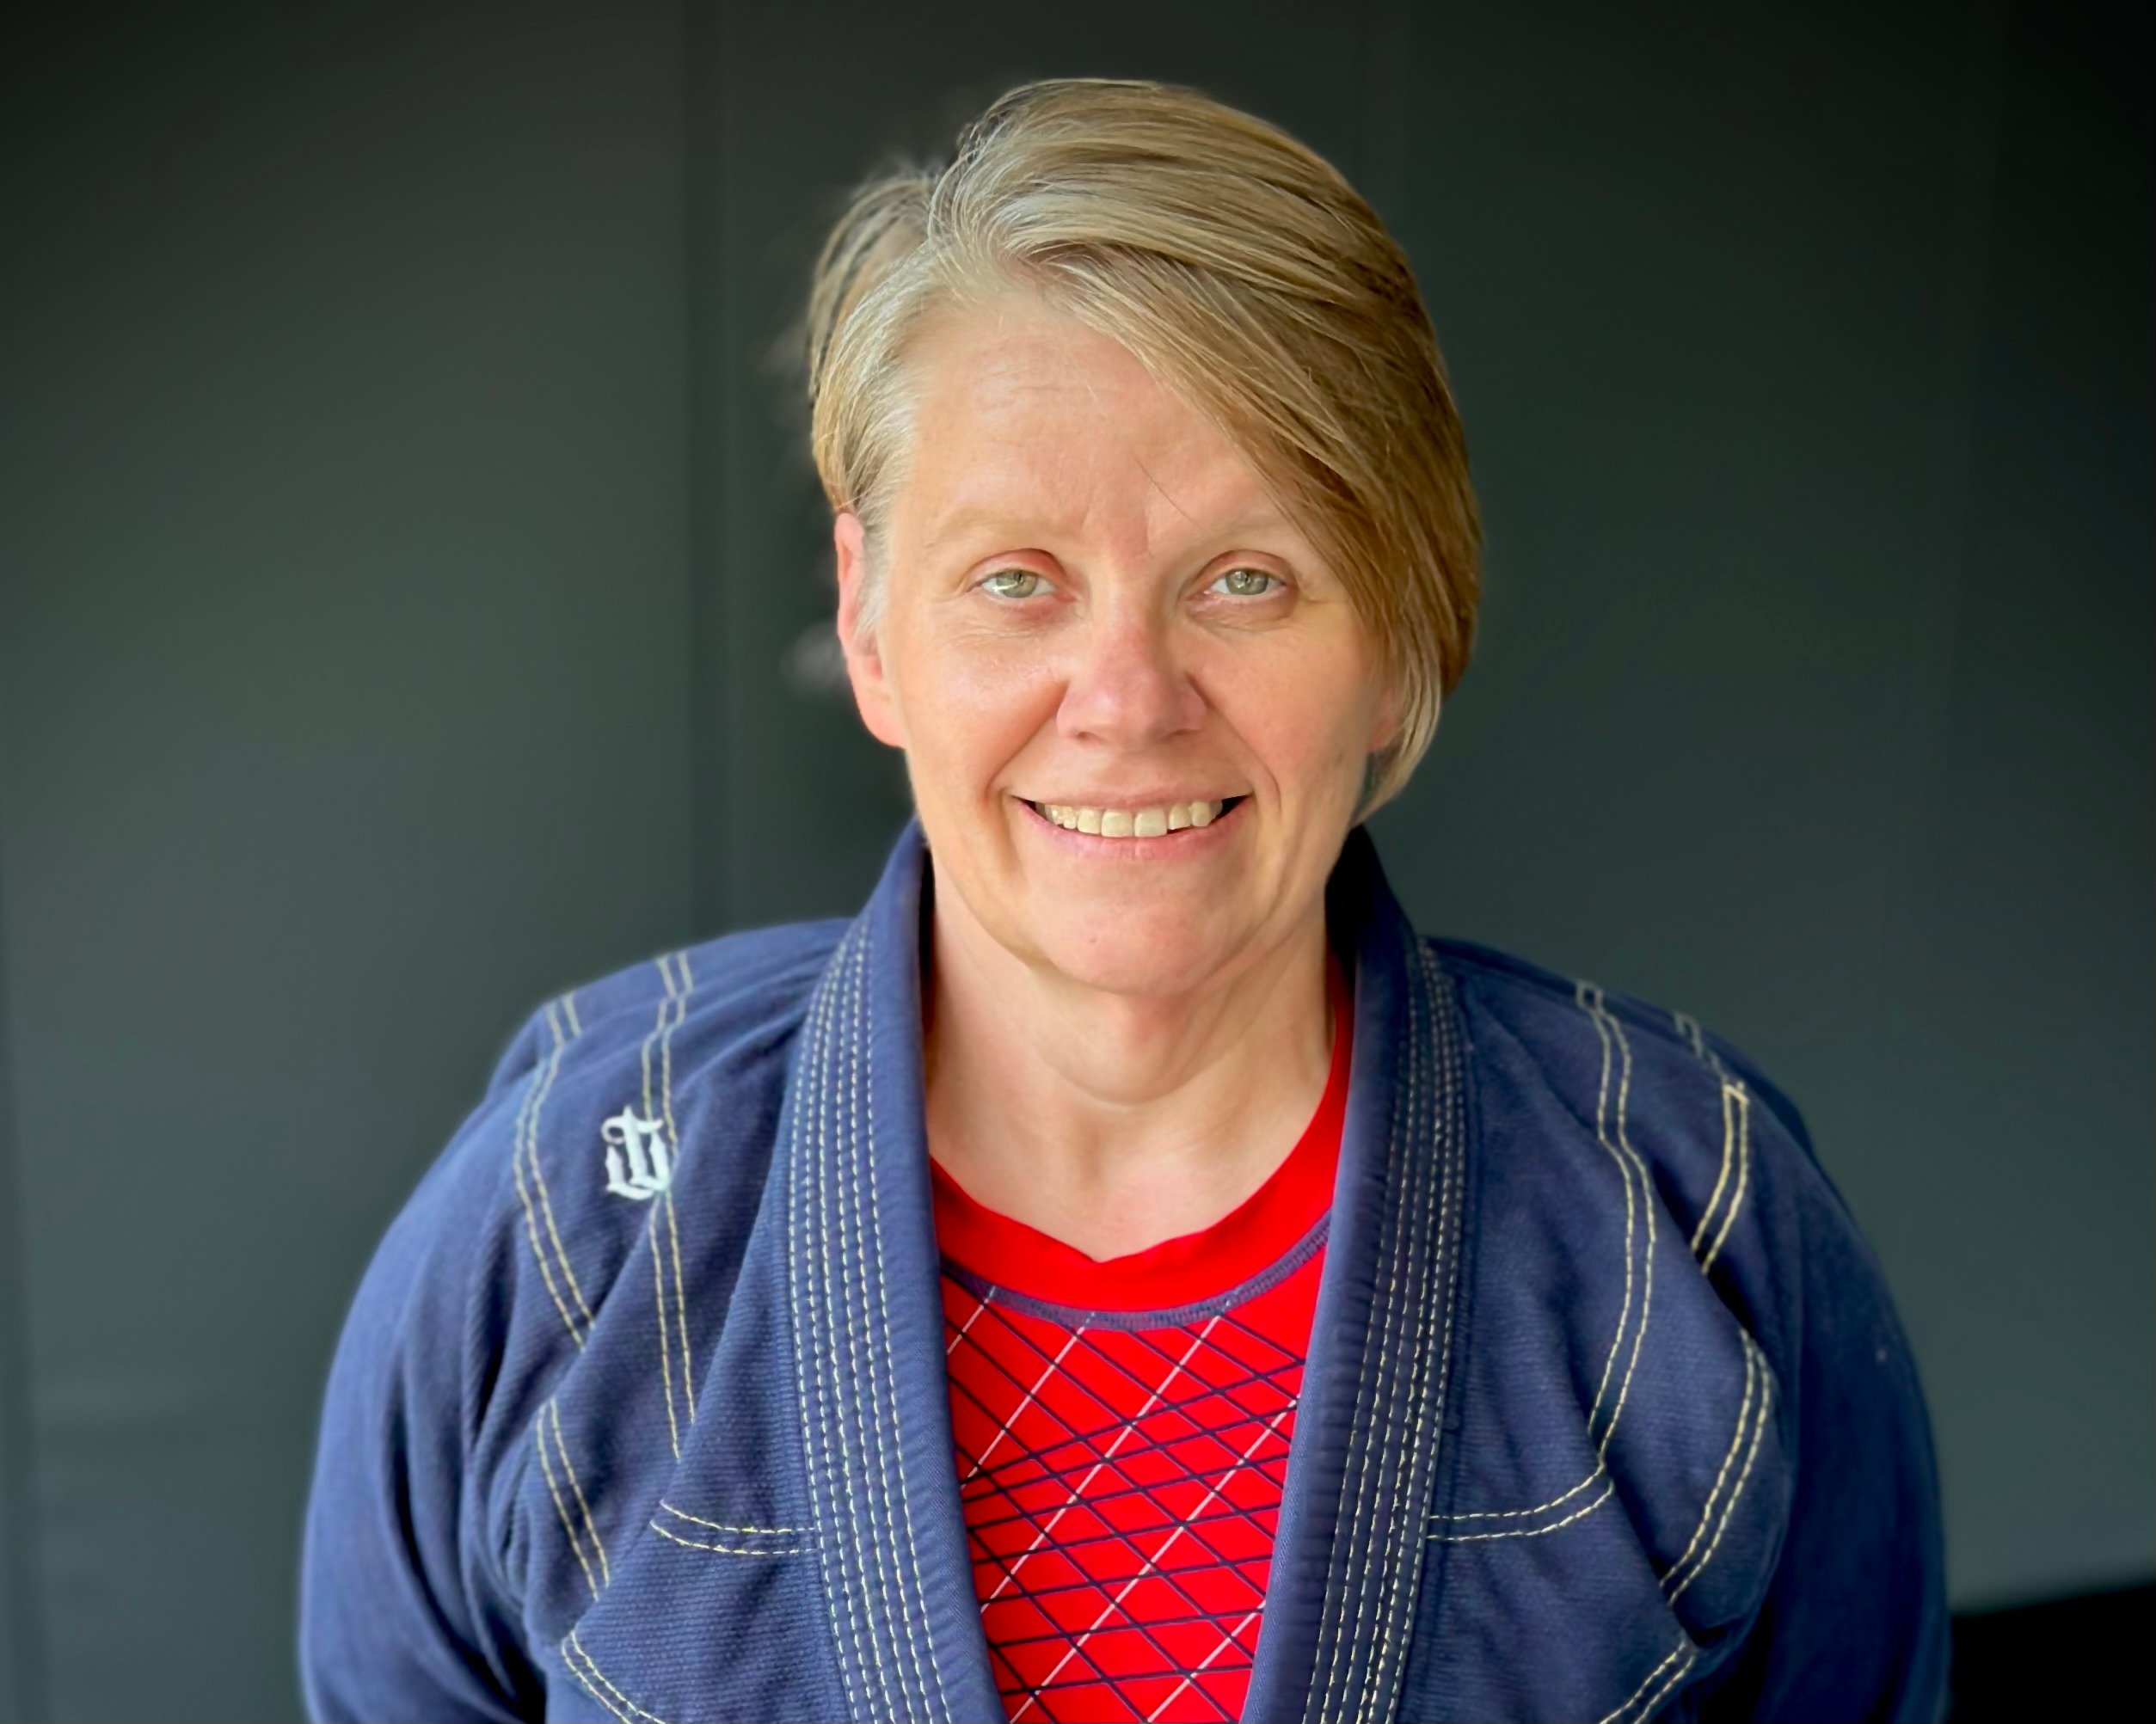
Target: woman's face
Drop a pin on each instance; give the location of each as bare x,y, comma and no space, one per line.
1094,619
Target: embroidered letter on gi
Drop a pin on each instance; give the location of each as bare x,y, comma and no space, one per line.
638,1165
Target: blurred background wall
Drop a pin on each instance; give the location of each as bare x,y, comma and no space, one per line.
415,598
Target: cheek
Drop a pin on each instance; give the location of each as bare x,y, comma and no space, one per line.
1306,715
971,708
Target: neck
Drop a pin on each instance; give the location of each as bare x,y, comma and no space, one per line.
1113,1121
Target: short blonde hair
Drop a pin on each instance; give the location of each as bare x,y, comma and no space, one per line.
1242,270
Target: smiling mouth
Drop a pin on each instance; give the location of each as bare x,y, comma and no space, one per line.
1154,822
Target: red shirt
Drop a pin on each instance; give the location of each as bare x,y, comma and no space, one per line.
1123,1431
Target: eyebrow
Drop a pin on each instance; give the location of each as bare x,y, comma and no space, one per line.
965,520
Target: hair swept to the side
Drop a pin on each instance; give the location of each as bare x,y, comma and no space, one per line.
1241,270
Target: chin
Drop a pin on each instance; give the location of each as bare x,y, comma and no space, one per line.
1136,955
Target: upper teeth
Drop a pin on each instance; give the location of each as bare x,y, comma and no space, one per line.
1132,823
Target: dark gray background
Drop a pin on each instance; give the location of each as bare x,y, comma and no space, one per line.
411,581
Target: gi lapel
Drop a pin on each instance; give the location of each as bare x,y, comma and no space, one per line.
868,1329
868,1326
1347,1573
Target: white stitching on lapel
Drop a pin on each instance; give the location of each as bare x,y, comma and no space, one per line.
1404,1530
1424,1171
1401,1155
804,1166
1449,1155
874,1548
918,1617
830,1266
1332,1643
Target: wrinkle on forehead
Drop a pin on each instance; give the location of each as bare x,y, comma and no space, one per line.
1026,512
1036,475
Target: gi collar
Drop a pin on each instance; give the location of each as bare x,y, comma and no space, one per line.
867,1330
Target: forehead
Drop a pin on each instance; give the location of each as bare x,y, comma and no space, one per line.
1026,418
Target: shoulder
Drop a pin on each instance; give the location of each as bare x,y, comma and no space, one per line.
1672,1295
675,1064
1563,1067
1583,1091
748,984
512,1265
1563,1063
1647,1214
1541,1014
663,1077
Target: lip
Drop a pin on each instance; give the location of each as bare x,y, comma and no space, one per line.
1187,842
1126,797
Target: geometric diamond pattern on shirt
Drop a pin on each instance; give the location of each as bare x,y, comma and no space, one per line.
1122,1488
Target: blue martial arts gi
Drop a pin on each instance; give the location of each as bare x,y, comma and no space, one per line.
640,1412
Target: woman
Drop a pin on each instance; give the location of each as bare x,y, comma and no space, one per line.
1124,1273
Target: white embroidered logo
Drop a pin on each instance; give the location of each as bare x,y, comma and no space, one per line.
638,1165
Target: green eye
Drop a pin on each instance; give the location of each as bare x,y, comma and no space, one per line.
1013,583
1246,583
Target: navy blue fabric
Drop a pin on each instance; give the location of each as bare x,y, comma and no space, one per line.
1606,1416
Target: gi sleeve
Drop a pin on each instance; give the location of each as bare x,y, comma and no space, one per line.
1855,1622
404,1610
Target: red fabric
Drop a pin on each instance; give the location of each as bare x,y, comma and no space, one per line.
1121,1480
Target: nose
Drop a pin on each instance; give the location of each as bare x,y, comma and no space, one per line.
1125,684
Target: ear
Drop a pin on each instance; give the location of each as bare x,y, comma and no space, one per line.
1386,730
872,695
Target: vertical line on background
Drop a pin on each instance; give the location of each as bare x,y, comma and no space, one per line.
1381,75
708,324
1934,627
728,399
22,1665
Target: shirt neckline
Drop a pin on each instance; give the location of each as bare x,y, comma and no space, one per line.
1188,1269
